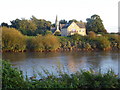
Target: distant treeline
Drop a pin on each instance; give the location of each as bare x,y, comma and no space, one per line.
14,40
34,26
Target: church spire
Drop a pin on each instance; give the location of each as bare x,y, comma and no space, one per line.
57,23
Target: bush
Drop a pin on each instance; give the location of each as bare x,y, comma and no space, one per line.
35,43
11,77
92,34
51,42
103,43
115,40
12,39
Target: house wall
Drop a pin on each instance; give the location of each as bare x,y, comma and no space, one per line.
64,32
82,31
72,29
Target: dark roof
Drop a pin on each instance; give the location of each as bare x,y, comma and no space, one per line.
81,25
67,25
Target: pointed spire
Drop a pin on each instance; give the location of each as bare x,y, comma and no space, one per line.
57,24
56,19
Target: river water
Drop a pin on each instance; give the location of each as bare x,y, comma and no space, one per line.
69,62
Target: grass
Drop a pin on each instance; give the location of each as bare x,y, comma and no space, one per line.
13,79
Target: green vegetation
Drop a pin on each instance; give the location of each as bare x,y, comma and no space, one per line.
13,79
14,40
95,24
35,35
30,27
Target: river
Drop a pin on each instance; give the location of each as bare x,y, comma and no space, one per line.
69,62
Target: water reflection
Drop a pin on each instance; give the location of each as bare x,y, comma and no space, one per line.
71,61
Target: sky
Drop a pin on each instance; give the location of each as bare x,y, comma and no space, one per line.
65,9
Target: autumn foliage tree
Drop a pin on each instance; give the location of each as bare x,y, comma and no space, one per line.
35,43
51,42
12,39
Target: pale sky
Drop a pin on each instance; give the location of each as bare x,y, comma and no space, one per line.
65,9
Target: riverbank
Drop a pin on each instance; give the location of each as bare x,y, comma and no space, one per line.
13,79
62,50
13,40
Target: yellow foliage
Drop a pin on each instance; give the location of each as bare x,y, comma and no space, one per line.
51,42
12,39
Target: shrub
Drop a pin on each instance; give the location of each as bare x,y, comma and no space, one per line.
11,77
92,34
50,42
35,43
103,43
12,39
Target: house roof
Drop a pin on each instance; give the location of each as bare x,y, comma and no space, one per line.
67,25
81,25
62,25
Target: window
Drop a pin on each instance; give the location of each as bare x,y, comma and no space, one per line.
73,29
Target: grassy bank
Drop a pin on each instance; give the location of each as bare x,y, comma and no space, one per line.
13,79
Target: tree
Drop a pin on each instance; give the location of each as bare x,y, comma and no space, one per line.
27,27
50,42
4,24
63,21
31,27
42,25
15,23
73,20
95,24
12,39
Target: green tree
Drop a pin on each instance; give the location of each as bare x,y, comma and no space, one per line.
42,25
63,21
27,27
15,23
4,24
73,20
95,24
